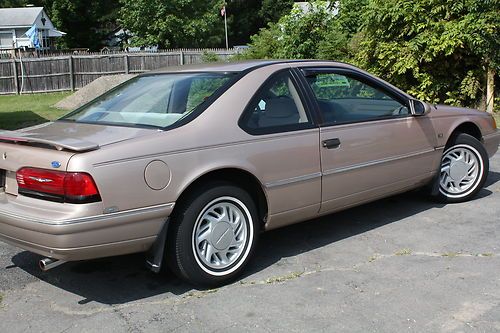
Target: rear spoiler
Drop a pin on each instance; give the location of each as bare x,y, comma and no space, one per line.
59,143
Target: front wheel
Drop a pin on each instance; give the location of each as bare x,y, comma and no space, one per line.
213,235
463,171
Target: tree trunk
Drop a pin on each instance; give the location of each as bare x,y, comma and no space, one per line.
490,89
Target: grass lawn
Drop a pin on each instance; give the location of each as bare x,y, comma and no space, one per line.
497,118
18,111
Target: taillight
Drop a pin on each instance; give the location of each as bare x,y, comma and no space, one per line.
70,187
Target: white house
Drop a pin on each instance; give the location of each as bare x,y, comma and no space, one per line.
14,22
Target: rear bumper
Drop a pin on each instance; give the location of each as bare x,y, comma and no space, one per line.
84,237
491,142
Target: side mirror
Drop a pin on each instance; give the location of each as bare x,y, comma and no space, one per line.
419,108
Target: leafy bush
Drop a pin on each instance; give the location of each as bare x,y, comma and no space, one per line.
209,57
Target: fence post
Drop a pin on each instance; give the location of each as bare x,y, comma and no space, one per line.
71,73
181,57
125,62
16,81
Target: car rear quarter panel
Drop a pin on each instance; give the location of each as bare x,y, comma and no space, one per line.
210,142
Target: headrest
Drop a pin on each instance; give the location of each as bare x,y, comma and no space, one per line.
280,107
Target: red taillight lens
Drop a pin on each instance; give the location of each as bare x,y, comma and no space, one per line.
79,184
71,187
40,180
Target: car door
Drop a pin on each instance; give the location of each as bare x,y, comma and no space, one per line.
370,143
284,149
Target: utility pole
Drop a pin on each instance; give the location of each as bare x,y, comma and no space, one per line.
223,13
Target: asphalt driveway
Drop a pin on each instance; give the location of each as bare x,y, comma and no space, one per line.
400,264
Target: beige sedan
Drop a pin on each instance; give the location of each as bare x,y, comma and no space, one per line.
190,164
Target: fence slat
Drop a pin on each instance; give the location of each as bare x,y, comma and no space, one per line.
14,78
125,64
71,74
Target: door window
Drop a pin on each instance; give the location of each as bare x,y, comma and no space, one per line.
342,98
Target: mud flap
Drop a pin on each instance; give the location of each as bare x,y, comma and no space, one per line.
435,182
154,256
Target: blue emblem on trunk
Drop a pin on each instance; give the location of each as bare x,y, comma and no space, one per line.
56,164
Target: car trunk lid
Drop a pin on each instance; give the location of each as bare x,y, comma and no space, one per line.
72,136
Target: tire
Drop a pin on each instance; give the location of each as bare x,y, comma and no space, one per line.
463,170
213,235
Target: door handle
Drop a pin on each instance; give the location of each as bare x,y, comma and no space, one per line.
331,143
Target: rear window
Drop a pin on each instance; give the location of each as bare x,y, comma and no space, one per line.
155,100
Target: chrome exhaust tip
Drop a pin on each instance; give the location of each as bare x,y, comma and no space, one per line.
49,263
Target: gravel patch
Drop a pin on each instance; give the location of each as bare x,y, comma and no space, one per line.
92,90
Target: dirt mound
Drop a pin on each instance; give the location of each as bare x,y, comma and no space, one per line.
92,90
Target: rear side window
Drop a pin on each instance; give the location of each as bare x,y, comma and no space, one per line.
156,100
276,107
342,98
201,88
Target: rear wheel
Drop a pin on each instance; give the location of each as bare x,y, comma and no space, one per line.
213,235
463,171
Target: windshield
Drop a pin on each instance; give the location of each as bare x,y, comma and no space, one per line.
154,100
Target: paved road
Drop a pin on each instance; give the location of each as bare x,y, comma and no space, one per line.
400,264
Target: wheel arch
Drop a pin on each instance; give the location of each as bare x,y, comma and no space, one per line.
467,127
237,176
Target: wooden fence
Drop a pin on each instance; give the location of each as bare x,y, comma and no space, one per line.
63,73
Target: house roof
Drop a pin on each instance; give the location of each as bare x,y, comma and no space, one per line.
19,17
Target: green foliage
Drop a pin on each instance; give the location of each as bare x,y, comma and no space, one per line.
297,35
243,20
12,3
302,34
201,89
209,57
265,44
197,23
437,50
23,3
350,16
176,23
86,22
273,10
317,33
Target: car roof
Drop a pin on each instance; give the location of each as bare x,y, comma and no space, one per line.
236,66
249,65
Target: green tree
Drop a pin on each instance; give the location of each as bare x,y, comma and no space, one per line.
243,20
23,3
273,10
246,17
86,22
297,35
438,50
13,3
175,23
350,15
